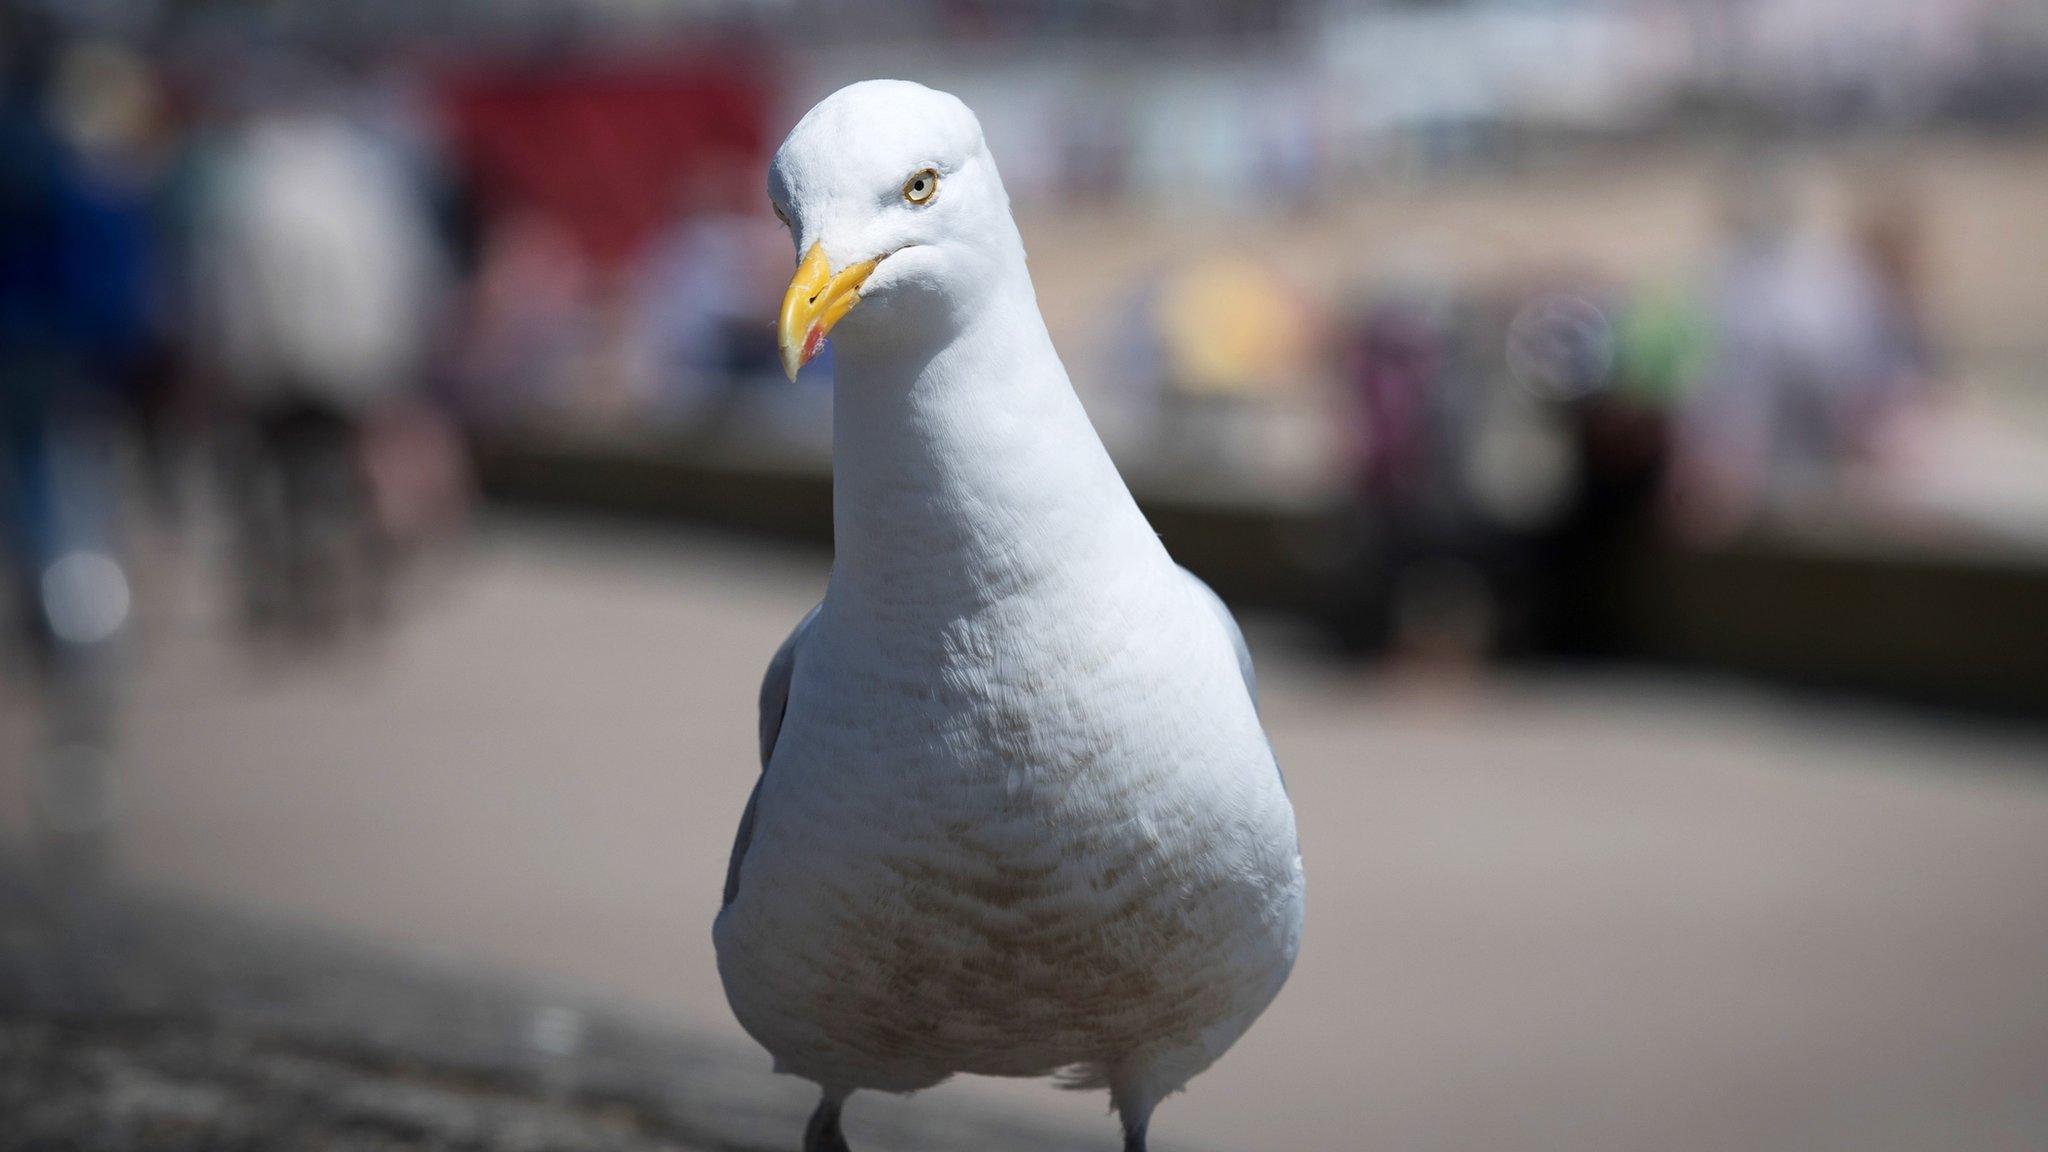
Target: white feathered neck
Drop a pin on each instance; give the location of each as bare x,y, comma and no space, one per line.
963,471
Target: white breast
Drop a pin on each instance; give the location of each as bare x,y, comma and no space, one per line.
1059,839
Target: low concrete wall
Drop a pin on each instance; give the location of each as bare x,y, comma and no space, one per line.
1250,553
1948,627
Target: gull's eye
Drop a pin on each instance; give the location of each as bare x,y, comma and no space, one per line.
922,184
779,215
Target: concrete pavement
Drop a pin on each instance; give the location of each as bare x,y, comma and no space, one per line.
1545,913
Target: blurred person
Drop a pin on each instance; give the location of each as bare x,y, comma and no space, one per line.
318,278
1473,423
1415,583
73,286
1617,420
73,291
1807,353
112,105
704,292
1890,245
1394,358
529,317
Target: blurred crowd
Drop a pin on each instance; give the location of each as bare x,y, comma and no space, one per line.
223,297
243,283
264,294
1506,442
283,288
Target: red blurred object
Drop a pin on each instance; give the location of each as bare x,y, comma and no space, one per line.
608,149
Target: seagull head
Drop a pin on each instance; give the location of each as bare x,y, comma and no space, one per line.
895,205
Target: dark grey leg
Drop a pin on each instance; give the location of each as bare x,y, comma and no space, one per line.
822,1134
1133,1106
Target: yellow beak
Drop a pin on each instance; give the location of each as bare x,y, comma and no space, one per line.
814,303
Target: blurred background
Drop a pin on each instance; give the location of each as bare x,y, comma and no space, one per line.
1622,424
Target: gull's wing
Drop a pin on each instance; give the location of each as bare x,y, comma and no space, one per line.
774,703
1244,653
1230,628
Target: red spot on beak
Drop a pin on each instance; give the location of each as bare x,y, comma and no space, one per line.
812,339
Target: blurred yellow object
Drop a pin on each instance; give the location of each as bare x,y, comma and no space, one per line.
1229,326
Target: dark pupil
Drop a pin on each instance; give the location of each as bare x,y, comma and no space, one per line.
917,187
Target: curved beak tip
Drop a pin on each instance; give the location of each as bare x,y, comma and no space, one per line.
792,361
815,301
797,354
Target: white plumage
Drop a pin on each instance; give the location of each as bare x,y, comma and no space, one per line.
1017,813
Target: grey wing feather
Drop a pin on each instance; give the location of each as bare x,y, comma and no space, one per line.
775,685
774,704
1230,628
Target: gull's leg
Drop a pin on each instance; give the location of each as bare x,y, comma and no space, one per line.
1134,1104
822,1134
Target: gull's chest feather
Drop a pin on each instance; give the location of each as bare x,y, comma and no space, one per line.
1031,851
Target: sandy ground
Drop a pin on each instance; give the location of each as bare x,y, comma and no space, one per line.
1546,913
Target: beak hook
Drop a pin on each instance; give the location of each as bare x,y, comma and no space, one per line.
815,301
